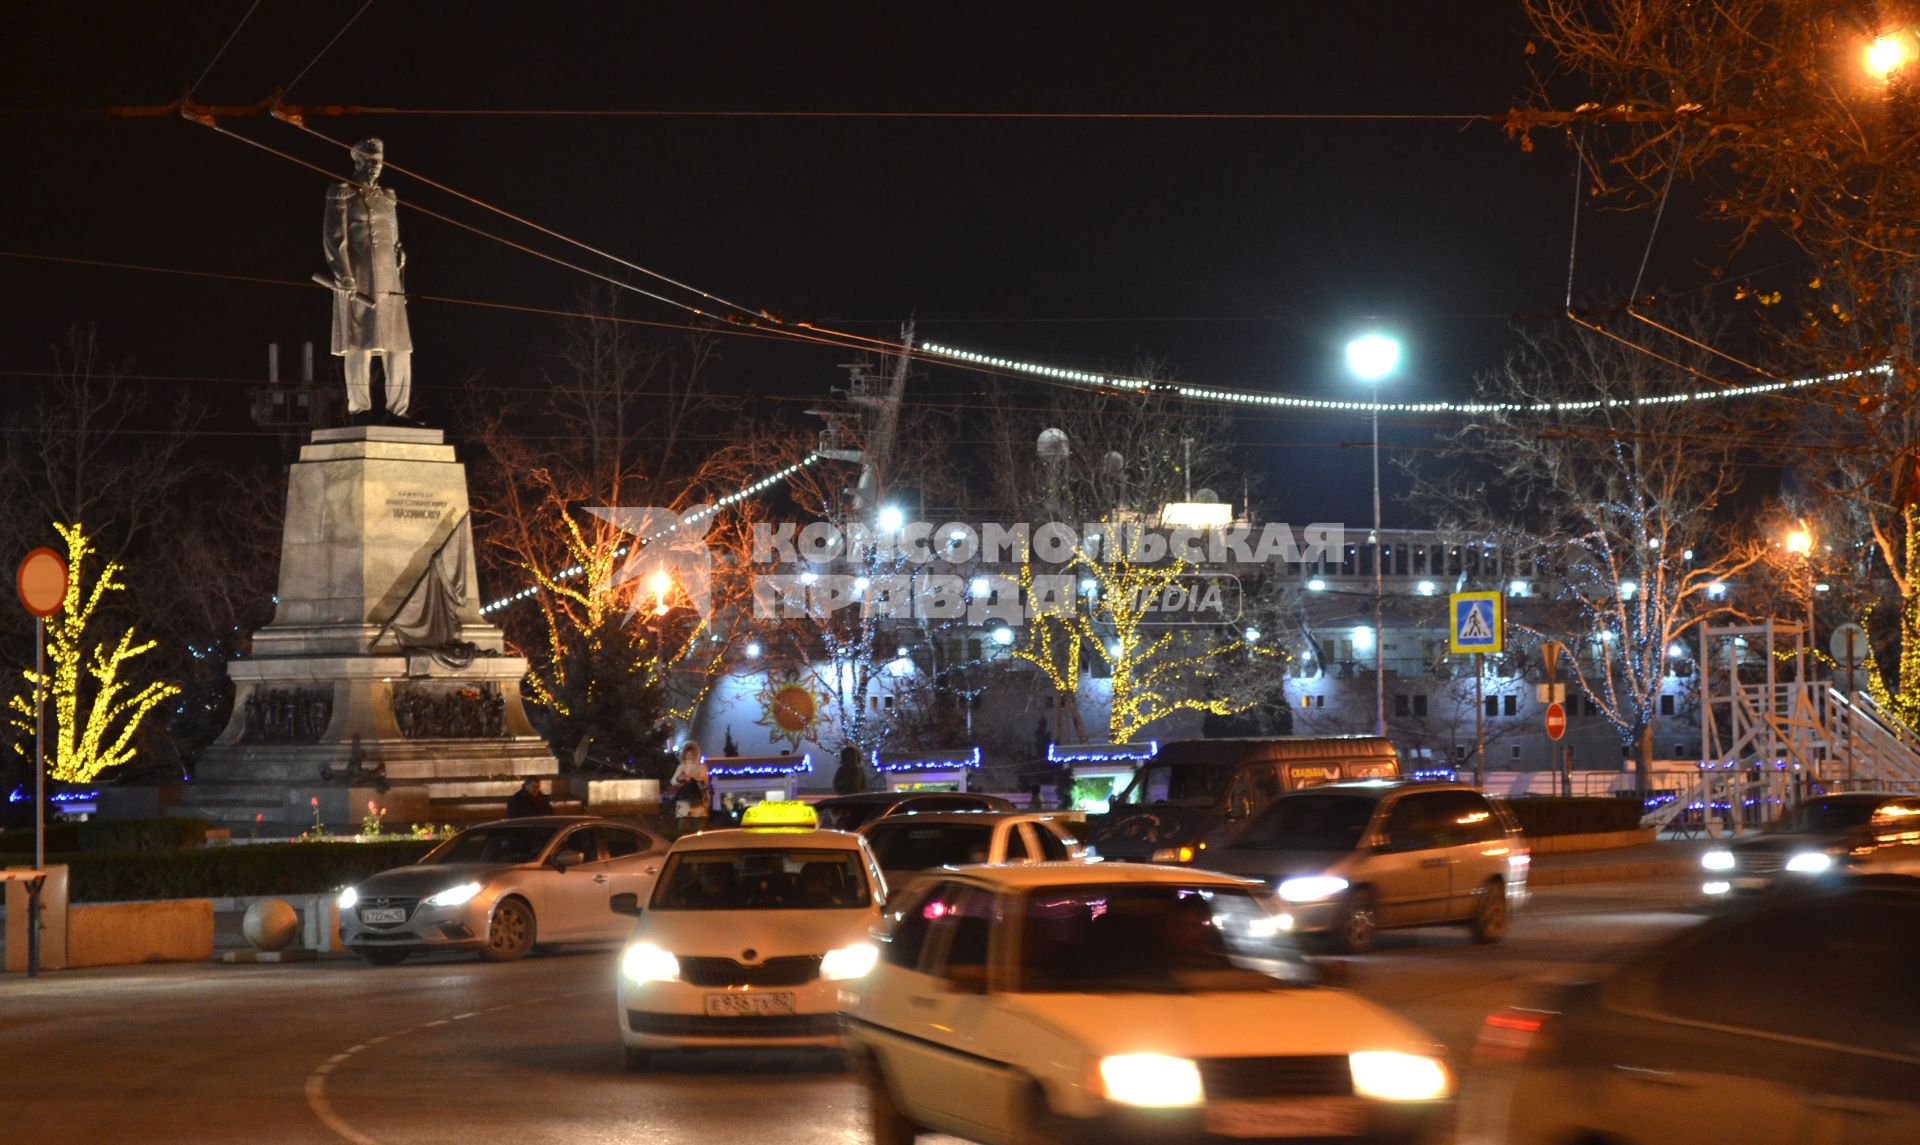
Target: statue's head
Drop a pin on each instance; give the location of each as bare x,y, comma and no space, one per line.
368,156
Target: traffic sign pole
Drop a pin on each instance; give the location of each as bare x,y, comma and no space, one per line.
42,585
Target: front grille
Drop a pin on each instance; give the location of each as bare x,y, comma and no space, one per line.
1759,862
701,1026
365,905
795,971
1243,1079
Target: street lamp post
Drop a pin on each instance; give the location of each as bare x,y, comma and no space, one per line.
1800,543
1372,357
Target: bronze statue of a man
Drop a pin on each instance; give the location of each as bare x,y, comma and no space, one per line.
361,235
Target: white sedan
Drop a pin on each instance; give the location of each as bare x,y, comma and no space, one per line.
747,940
913,846
1056,1003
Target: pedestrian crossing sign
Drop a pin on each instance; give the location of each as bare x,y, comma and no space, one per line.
1478,622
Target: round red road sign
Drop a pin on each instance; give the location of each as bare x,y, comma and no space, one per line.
42,582
1556,721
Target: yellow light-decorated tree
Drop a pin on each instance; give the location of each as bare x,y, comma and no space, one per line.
1112,606
95,708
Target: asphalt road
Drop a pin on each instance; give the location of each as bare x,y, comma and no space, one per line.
451,1049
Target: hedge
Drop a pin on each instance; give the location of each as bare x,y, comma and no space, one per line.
220,872
1555,815
112,835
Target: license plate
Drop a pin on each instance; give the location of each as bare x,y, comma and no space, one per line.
1749,883
1306,1117
384,914
749,1005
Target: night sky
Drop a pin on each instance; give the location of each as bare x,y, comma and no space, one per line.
1242,253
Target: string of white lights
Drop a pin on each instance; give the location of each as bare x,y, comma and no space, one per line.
753,490
1244,397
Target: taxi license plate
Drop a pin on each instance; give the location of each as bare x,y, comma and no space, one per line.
1750,883
384,914
1304,1117
749,1005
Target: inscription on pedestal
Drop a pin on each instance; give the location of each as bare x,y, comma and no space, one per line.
416,505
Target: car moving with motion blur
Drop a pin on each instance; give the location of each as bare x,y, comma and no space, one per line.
748,937
912,846
852,812
1829,837
499,888
1350,859
1787,1020
1095,1002
1193,794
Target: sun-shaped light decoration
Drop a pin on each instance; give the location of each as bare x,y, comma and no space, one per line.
789,711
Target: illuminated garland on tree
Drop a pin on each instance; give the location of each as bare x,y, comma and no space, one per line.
96,712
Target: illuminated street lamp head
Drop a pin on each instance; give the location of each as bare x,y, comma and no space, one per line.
659,583
1889,54
1373,356
891,519
1799,542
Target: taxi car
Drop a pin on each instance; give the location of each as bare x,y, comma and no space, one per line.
910,847
498,888
1104,1002
748,937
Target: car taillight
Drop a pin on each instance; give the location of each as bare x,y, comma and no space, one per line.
1511,1034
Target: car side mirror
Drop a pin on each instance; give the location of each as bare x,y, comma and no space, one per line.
654,870
566,859
969,978
627,904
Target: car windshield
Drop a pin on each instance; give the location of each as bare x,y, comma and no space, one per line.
1183,783
498,844
1309,823
899,844
1824,815
770,879
1153,938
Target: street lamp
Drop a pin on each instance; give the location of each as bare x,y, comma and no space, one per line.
1888,54
1372,357
1799,542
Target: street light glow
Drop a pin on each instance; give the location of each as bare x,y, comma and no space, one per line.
1799,542
1373,356
891,519
1889,54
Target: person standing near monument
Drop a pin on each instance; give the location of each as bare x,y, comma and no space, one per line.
529,800
690,793
361,237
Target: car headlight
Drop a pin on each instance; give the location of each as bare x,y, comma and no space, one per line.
1150,1079
1393,1076
644,962
849,961
1717,860
1172,855
1810,862
1719,887
454,896
347,898
1311,888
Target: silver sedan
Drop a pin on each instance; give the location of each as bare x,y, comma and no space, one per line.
499,888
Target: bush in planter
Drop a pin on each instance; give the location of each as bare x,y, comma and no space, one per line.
220,872
1556,815
112,835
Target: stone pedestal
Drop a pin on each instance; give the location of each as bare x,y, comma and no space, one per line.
331,705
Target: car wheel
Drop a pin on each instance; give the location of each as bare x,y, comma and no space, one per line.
1354,932
638,1061
1039,1125
383,957
511,934
886,1125
1490,920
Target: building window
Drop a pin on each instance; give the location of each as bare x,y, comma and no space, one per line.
1420,705
1666,703
1401,707
1460,752
1491,705
1512,704
1516,752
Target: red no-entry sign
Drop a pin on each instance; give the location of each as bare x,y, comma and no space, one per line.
1556,721
42,582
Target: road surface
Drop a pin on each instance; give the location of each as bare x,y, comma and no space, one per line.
456,1050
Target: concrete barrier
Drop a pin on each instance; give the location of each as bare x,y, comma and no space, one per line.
53,922
127,933
1595,841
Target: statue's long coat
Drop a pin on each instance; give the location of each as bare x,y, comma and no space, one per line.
361,235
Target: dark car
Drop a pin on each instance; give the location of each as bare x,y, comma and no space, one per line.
1793,1018
1348,859
1825,838
852,812
1193,793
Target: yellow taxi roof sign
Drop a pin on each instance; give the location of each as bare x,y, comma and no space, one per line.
780,813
